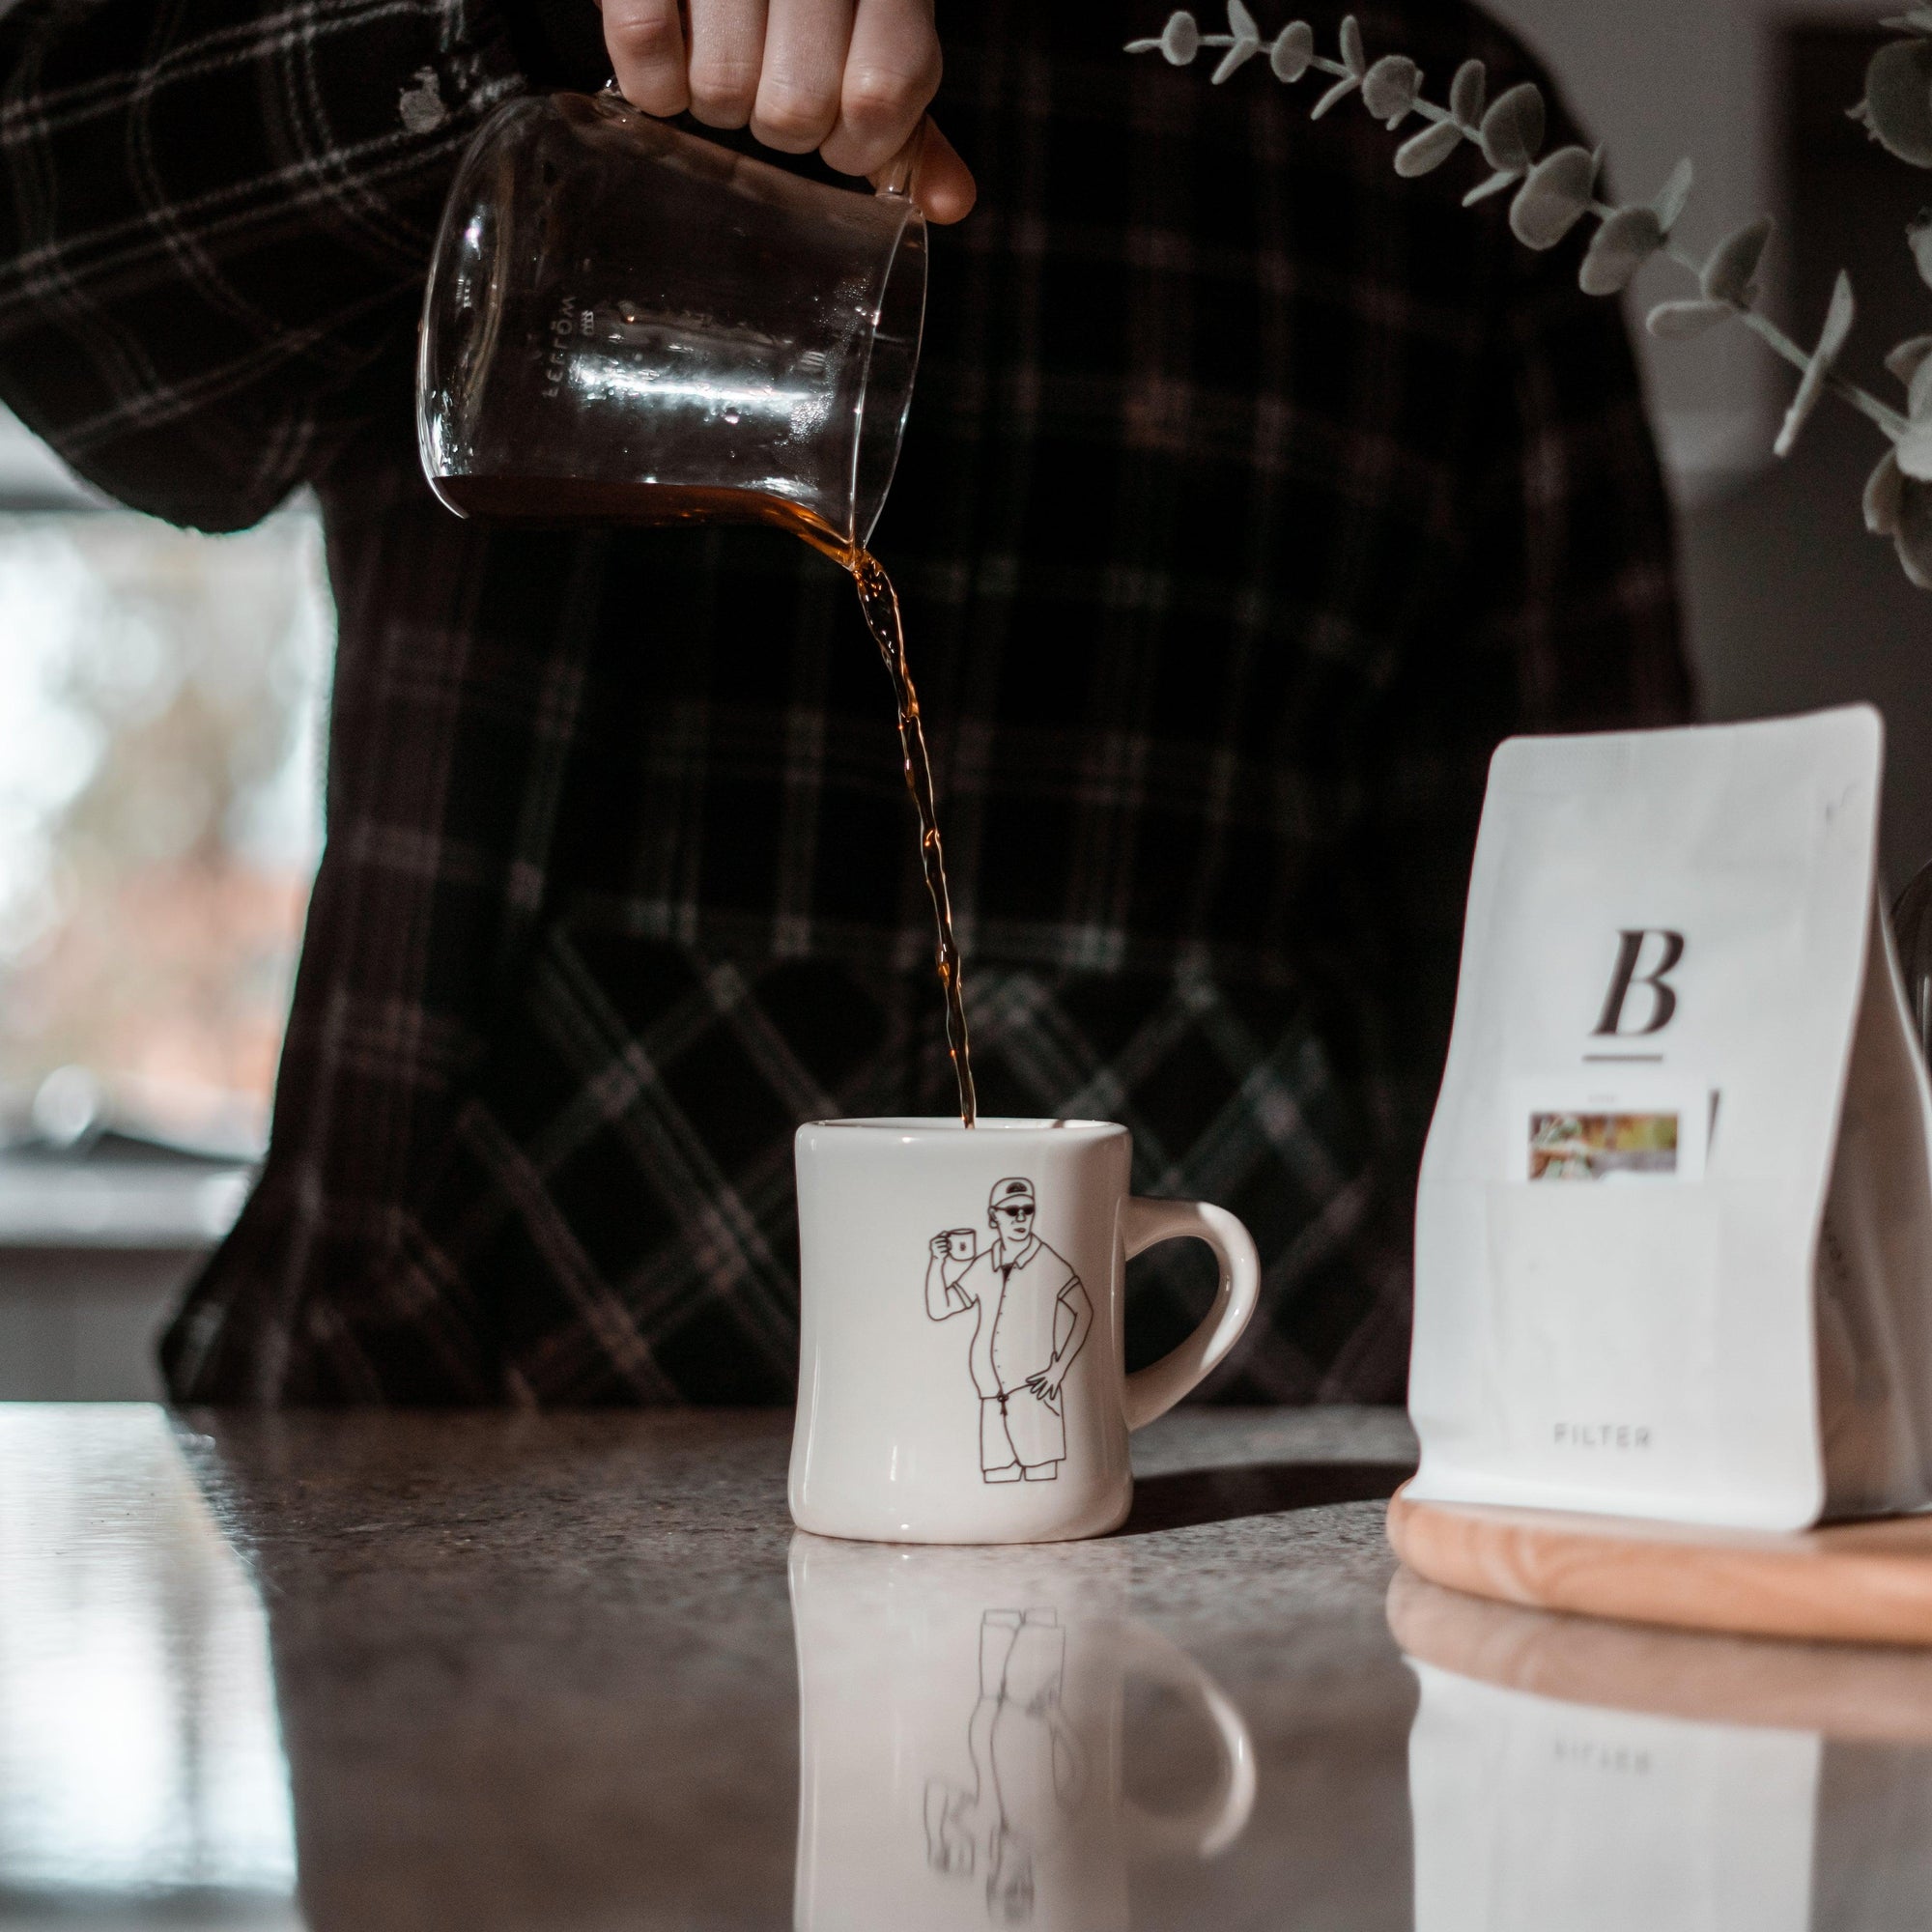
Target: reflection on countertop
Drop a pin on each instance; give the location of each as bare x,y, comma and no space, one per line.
963,1744
545,1672
141,1772
578,1671
1569,1772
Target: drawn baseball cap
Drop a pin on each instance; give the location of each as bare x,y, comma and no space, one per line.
1009,1193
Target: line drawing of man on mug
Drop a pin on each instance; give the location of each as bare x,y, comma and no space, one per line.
1034,1317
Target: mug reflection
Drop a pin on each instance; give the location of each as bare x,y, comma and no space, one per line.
1564,1771
964,1751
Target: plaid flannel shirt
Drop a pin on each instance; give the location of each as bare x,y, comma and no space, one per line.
1251,495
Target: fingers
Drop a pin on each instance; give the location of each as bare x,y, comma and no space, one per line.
727,56
851,79
891,72
798,103
645,42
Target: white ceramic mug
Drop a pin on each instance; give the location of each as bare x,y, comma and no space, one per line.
950,1392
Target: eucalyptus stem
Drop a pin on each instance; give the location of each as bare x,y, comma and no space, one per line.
1552,193
1863,399
1760,324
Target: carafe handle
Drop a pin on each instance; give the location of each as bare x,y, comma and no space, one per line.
900,174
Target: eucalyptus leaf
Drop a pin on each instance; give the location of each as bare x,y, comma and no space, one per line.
1468,91
1512,130
1293,52
1619,248
1390,87
1919,235
1728,274
1917,21
1354,57
1335,95
1908,357
1898,99
1913,536
1914,451
1179,38
1553,198
1674,196
1679,320
1897,507
1885,492
1247,38
1507,178
1919,393
1428,150
1838,317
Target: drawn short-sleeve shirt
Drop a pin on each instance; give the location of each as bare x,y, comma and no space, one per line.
1023,1316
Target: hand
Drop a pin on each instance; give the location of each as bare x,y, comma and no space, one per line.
848,77
939,1247
1046,1384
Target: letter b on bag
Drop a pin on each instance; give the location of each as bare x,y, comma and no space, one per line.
1663,998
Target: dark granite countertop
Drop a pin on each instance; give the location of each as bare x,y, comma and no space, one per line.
578,1671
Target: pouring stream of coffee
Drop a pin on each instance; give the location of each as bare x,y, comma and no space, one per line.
514,499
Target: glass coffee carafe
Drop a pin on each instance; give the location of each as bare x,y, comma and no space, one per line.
628,325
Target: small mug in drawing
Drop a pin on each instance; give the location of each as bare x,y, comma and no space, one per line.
967,1384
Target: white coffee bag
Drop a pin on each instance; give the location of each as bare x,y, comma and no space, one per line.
1674,1232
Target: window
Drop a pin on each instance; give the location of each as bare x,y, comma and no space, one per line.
161,699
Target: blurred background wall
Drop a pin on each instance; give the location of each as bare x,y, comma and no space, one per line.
1791,604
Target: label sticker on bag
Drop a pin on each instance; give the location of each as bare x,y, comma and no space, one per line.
1636,1127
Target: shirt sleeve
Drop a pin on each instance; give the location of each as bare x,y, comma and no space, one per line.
967,1286
215,220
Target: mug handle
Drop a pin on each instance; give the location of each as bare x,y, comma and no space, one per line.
1214,1825
1154,1390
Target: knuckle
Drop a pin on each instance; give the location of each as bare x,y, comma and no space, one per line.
648,34
880,97
721,91
793,115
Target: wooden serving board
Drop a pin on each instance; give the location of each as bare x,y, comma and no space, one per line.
1859,1583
